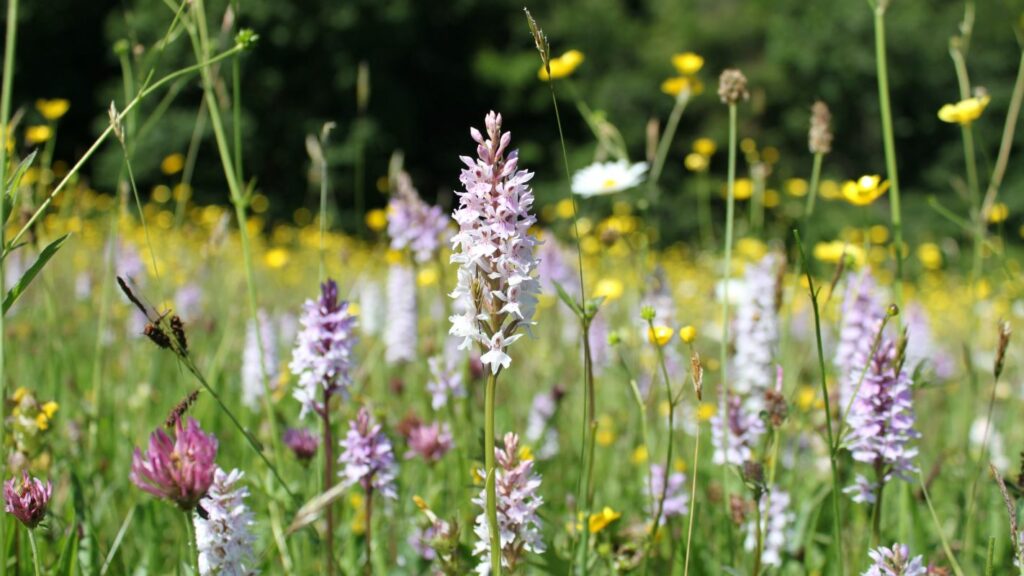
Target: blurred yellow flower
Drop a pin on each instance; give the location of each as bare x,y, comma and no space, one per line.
562,66
865,190
999,213
673,86
640,455
564,209
276,258
930,255
748,145
376,219
161,194
50,408
832,251
688,63
688,334
660,335
830,190
805,396
751,248
260,203
609,288
525,453
602,519
427,277
965,111
38,134
771,198
172,163
182,192
770,154
704,146
878,234
52,109
695,162
605,437
705,411
743,189
796,187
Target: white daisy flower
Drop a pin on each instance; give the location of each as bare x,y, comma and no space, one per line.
608,177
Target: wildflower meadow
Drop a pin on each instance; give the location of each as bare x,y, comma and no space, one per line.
666,341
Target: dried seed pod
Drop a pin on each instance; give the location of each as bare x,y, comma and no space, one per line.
157,335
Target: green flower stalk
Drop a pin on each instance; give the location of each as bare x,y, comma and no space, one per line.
889,142
732,88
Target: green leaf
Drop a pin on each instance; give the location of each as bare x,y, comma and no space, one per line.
11,189
19,288
572,304
67,564
86,553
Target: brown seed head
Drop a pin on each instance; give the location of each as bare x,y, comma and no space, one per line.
732,86
819,138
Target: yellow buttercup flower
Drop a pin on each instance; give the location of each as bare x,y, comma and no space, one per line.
276,258
865,190
673,86
796,187
705,411
50,408
525,453
427,277
831,252
965,111
999,213
376,220
695,162
660,335
805,397
704,146
602,519
172,163
743,189
38,134
52,109
609,288
563,66
640,455
688,63
564,209
688,334
930,255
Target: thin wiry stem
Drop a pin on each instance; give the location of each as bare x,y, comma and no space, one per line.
889,143
5,112
1003,159
730,210
812,192
201,44
837,540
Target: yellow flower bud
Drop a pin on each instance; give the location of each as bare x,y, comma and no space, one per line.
660,335
688,334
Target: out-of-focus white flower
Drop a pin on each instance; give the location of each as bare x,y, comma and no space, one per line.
602,178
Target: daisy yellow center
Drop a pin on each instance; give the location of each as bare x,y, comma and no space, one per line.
609,183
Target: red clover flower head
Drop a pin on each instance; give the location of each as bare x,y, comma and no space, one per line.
27,500
430,441
302,443
181,468
497,282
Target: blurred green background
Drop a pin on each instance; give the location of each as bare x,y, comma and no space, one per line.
435,68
